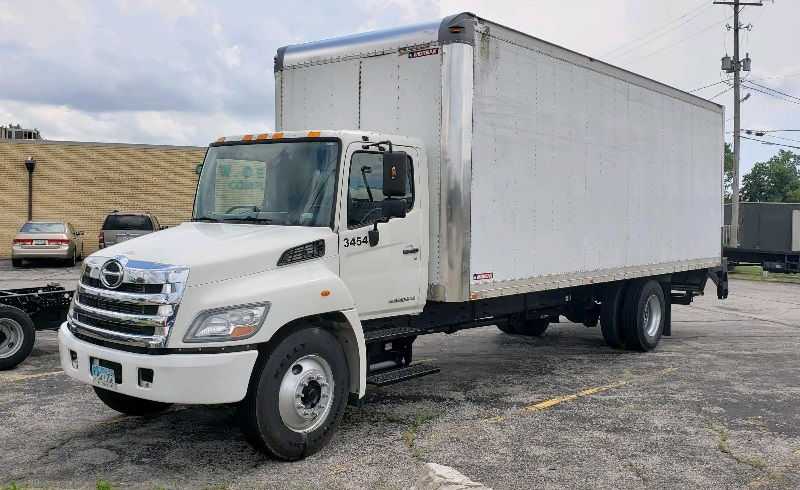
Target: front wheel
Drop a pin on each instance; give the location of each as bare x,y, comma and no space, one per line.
297,395
130,405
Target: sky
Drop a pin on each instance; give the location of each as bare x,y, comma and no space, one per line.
184,72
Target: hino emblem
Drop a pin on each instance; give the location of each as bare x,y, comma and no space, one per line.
111,274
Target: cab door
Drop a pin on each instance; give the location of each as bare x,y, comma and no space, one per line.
389,278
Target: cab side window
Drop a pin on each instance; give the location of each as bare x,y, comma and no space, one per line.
365,189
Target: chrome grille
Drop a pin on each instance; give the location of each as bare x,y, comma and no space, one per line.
139,312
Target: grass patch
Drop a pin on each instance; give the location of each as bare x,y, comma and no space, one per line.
11,486
754,273
103,485
724,447
410,434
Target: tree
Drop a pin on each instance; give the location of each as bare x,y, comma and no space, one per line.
776,180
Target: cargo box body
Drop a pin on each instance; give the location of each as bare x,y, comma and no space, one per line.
547,168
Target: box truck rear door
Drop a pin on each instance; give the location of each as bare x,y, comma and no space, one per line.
385,279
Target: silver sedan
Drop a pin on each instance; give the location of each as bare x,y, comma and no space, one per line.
47,240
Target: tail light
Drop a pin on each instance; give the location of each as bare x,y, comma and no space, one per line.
58,241
23,241
101,240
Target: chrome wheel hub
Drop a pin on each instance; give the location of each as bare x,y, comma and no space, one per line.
652,316
11,336
306,393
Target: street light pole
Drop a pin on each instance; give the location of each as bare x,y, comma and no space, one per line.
30,165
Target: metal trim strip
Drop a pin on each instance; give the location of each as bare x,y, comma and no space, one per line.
77,327
557,281
113,316
456,174
130,298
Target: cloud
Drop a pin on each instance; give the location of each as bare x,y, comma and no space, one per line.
186,71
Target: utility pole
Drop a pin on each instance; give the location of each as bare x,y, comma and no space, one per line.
735,66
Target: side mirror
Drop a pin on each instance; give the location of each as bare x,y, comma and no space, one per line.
394,208
395,168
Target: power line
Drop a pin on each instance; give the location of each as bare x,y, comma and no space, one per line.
773,90
770,143
773,130
682,41
754,89
721,93
653,35
709,86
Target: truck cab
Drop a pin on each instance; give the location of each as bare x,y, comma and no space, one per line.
295,234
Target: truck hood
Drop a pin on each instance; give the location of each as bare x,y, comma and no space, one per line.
218,251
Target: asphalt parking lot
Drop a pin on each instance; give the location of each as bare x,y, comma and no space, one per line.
715,406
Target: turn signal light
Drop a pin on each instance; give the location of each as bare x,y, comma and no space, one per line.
101,240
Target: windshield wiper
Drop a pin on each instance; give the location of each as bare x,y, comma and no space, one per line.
207,219
249,219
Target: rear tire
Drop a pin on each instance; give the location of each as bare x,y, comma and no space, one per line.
506,328
297,395
611,320
16,262
17,336
644,314
130,405
531,327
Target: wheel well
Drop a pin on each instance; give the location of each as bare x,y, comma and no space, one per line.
339,326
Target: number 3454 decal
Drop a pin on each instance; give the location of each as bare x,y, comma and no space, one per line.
356,241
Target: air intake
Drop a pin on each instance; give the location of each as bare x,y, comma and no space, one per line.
300,253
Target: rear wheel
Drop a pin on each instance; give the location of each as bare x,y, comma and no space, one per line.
73,260
297,395
130,405
531,327
611,316
644,314
17,336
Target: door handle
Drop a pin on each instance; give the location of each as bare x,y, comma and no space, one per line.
410,250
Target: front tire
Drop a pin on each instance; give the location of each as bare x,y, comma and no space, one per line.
644,314
17,336
130,405
297,395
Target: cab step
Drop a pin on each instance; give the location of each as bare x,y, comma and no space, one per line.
403,374
386,334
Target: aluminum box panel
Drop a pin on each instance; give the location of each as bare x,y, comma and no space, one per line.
580,173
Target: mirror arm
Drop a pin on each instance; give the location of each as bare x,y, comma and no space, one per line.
373,235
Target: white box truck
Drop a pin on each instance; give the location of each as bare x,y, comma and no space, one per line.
469,175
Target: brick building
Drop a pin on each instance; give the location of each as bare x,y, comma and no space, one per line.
82,182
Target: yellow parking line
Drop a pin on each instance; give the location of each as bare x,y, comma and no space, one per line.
544,405
22,377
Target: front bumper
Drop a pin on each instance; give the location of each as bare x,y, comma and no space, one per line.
177,378
64,252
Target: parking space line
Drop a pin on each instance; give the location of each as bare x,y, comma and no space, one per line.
22,377
546,404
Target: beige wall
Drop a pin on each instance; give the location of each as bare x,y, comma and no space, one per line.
82,182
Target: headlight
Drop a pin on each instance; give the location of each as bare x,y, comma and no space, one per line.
230,323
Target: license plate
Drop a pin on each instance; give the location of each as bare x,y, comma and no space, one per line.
103,377
40,242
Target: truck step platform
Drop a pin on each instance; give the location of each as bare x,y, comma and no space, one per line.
402,374
386,334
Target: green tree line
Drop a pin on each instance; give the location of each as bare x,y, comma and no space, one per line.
776,180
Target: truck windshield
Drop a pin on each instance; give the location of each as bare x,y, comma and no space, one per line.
286,183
